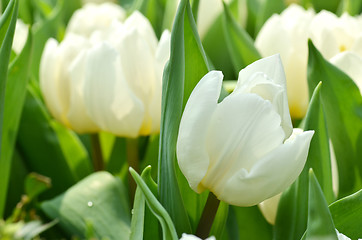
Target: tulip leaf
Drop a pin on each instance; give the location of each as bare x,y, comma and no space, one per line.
239,44
144,224
187,65
215,45
99,200
169,231
55,153
7,28
250,224
347,213
292,215
320,223
342,103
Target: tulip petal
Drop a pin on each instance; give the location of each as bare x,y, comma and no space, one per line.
108,98
272,67
192,155
243,129
78,117
49,78
270,175
351,64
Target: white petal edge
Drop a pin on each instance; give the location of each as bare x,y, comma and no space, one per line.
192,156
271,175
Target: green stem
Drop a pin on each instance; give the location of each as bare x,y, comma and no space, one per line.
207,217
97,157
133,161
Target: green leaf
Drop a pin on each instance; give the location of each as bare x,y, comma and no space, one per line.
7,28
239,44
99,199
342,103
253,8
347,214
330,5
320,223
185,68
319,152
169,231
40,147
250,224
144,225
292,216
35,184
154,11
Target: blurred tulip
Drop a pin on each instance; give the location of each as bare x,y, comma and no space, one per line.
269,208
192,237
242,149
109,81
288,34
20,36
95,17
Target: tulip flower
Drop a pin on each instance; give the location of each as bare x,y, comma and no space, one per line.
288,35
243,149
92,17
20,36
109,81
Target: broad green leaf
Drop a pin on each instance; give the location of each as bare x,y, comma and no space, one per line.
320,223
7,28
138,216
216,50
347,214
330,5
53,27
185,68
239,44
254,8
101,200
292,215
342,103
40,147
250,224
168,229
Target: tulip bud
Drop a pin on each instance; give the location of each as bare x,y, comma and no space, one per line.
109,80
288,35
241,149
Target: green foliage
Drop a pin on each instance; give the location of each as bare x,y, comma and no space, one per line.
100,200
240,45
7,28
168,229
320,223
347,214
342,104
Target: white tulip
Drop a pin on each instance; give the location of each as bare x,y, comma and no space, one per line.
288,35
92,17
192,237
20,36
110,81
241,149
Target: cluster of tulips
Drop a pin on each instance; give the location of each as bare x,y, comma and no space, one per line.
166,119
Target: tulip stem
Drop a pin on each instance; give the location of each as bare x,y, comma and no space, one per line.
207,217
133,161
97,157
